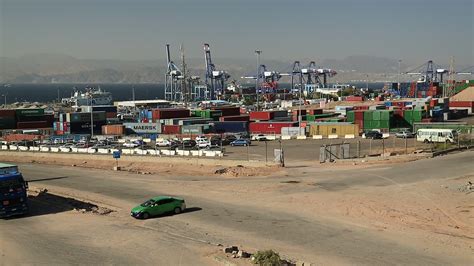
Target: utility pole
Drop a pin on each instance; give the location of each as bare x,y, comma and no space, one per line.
258,52
184,95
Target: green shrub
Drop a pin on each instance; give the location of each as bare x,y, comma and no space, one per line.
267,258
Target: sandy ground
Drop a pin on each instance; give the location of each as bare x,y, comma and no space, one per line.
403,213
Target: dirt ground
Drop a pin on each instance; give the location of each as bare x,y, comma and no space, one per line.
188,168
427,212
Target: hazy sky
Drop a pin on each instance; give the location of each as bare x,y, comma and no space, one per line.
413,30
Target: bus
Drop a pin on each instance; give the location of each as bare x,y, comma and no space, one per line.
13,195
429,135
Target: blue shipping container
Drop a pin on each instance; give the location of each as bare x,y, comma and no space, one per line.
230,127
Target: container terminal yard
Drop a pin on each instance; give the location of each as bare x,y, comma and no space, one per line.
321,174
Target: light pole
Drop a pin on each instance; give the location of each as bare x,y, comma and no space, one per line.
5,98
399,73
367,82
258,52
92,117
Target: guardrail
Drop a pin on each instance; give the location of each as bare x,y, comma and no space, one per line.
107,151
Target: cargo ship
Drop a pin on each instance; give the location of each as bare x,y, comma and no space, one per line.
91,96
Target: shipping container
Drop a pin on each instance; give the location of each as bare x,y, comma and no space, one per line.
354,98
293,131
459,104
235,118
110,115
29,112
117,130
85,117
228,111
340,129
33,125
7,123
211,114
283,113
7,113
142,128
230,127
85,127
361,107
167,113
194,121
196,129
262,115
269,127
316,111
171,129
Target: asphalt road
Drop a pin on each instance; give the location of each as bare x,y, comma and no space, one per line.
220,221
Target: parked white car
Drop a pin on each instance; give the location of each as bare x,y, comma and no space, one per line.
163,143
203,143
201,138
131,144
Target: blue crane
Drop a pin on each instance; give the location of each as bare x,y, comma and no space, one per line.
215,79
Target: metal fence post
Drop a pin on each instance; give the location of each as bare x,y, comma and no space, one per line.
358,149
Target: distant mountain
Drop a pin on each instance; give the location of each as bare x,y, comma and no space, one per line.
53,68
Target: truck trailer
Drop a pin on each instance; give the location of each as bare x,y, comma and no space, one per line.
13,191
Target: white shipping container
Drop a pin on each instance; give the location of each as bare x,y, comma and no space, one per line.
293,131
144,128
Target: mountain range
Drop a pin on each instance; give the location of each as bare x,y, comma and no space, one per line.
54,68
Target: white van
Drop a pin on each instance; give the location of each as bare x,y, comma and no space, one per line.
436,135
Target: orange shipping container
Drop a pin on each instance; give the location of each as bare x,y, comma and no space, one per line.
113,130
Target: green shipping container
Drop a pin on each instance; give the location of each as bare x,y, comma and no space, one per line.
29,112
7,123
386,115
368,116
376,115
350,116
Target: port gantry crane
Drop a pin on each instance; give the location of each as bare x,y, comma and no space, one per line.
429,80
267,82
308,78
173,78
215,79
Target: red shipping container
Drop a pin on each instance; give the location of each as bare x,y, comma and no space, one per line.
354,98
169,113
171,129
358,115
269,127
317,111
228,111
7,113
234,118
361,107
33,125
466,104
262,115
296,112
111,115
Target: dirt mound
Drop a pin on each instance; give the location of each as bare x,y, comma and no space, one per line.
239,170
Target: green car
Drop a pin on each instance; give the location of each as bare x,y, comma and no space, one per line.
157,206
